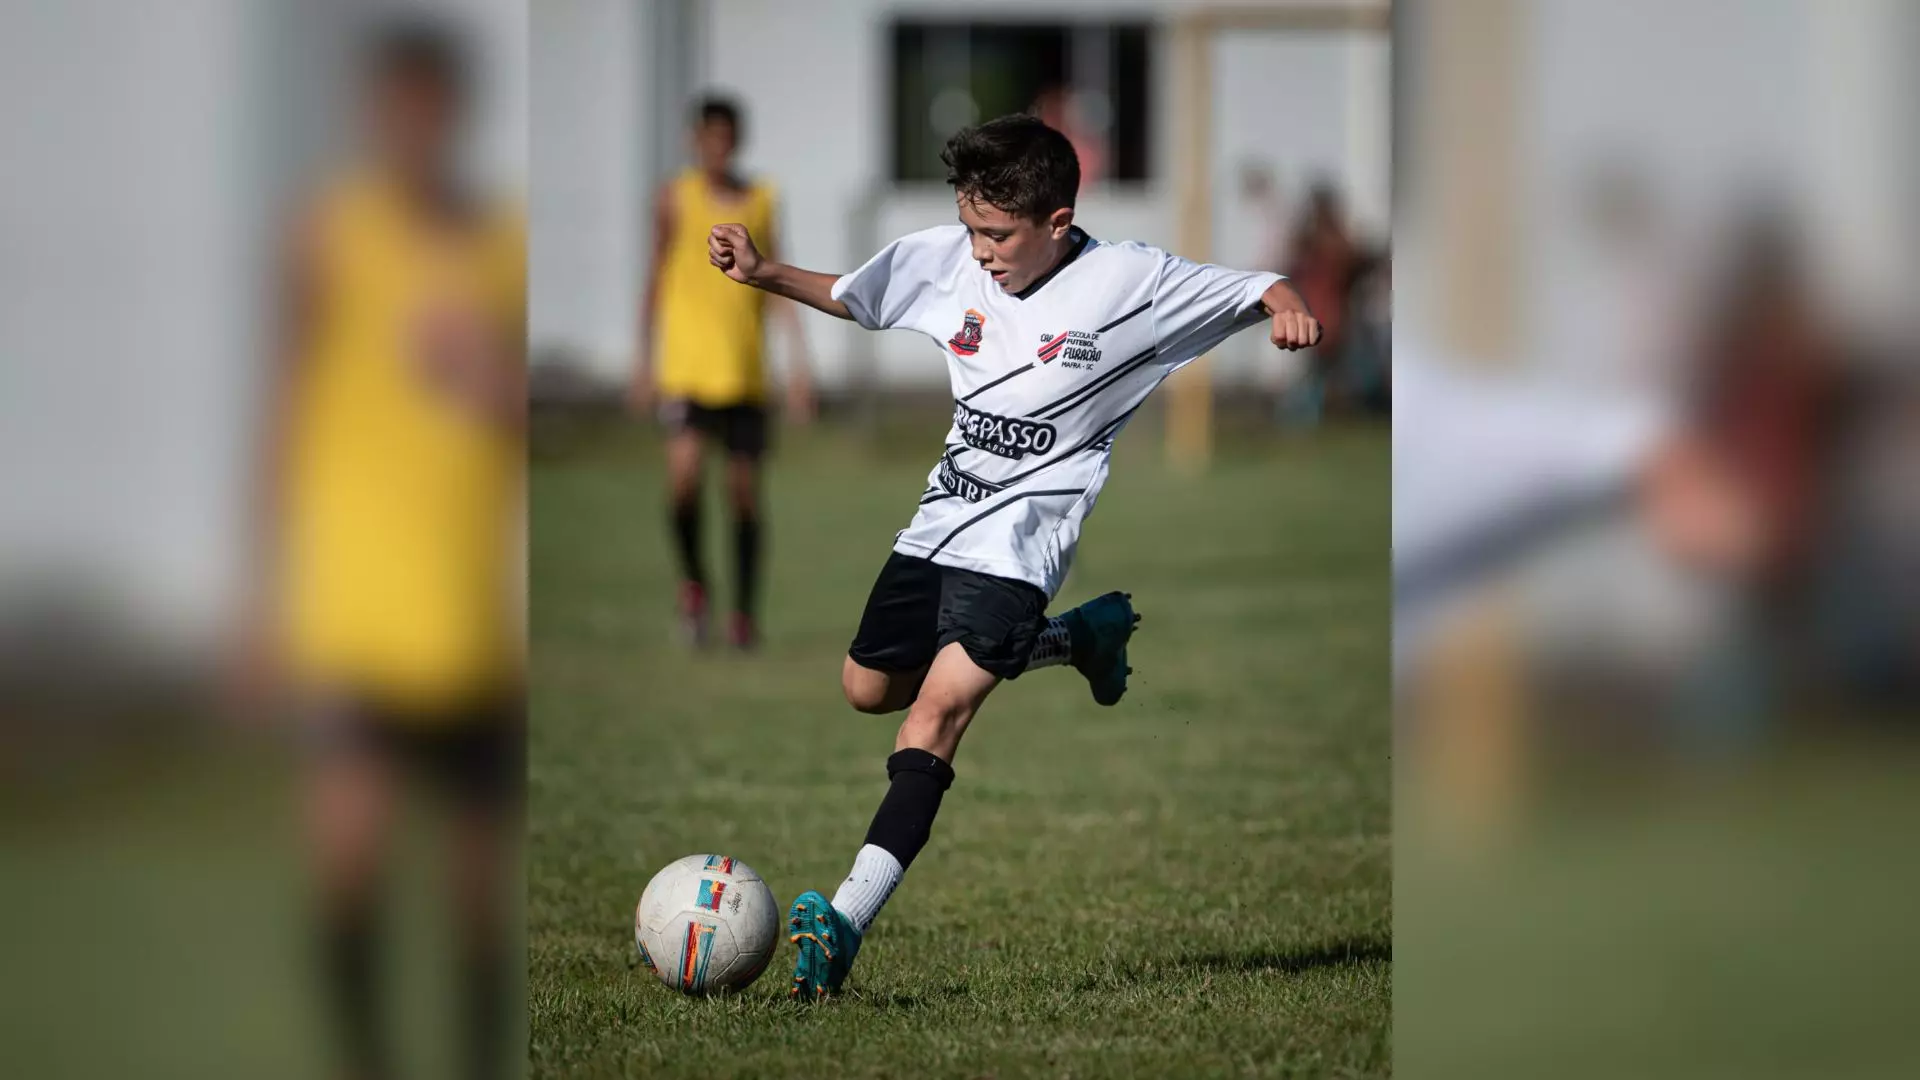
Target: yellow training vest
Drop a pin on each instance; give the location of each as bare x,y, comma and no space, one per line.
400,514
707,344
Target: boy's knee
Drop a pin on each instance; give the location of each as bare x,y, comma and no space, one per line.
940,713
744,497
867,690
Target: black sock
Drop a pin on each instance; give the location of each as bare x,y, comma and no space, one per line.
905,818
486,1018
686,529
350,965
746,554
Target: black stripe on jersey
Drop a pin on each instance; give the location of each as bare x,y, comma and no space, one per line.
936,497
1022,370
1085,393
1029,367
1125,317
970,522
1106,432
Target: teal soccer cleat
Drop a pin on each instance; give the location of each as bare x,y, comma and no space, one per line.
827,944
1099,630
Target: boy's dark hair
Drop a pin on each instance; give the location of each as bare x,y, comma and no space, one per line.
1015,163
710,110
416,49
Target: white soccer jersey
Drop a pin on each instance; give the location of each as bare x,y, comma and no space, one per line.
1043,381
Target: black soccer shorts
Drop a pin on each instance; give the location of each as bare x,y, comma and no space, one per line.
741,429
476,755
918,607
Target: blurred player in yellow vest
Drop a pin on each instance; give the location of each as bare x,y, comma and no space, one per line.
390,523
702,362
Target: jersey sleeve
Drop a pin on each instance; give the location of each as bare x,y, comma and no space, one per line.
896,286
1197,306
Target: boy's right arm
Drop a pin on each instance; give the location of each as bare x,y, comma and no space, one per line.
730,248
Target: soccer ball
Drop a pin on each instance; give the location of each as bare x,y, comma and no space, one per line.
707,924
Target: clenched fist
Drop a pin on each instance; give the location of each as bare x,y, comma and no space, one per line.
1295,330
730,248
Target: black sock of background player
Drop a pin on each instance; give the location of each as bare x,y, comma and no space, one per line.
746,555
350,967
905,818
686,530
486,1004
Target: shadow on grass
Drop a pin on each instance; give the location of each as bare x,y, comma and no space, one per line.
1345,952
909,1002
1349,952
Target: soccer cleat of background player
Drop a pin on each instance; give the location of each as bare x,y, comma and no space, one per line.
1052,340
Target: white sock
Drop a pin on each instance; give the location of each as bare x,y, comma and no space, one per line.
875,875
1054,647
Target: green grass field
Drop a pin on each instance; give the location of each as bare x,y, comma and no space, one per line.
1195,883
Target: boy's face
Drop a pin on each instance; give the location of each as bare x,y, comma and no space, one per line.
414,120
713,145
1015,249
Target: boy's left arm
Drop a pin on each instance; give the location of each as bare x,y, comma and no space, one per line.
1294,327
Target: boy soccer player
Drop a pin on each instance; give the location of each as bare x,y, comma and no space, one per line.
710,377
1053,340
389,503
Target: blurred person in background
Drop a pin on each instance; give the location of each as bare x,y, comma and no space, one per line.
1766,389
1764,404
388,541
701,359
1323,262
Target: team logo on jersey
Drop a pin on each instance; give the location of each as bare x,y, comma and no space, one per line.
1073,348
967,341
1008,437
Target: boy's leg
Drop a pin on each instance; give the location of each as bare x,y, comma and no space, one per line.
350,806
985,629
1093,638
479,759
897,639
683,499
870,690
746,442
743,489
919,772
950,695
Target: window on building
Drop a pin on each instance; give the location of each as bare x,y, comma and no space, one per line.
1090,80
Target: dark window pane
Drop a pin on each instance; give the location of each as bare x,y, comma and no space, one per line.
1089,80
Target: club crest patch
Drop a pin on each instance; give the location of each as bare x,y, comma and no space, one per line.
967,341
